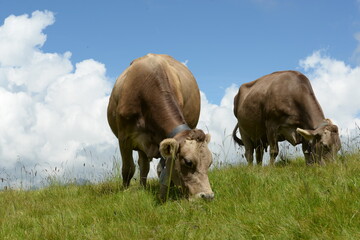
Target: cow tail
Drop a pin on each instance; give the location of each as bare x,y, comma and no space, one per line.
236,139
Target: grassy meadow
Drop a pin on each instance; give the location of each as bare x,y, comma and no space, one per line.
287,201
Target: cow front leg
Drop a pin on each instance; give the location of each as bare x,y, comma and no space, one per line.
128,166
259,155
274,151
163,192
309,159
144,165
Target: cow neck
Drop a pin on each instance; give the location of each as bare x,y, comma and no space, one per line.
324,123
170,121
313,122
165,111
315,116
316,122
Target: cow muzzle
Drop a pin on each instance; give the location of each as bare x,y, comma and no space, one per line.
202,195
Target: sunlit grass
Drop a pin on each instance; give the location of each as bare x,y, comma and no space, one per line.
290,201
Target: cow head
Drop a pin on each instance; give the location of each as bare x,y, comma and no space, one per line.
192,159
323,142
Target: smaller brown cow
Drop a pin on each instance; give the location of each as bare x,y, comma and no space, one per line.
282,106
153,109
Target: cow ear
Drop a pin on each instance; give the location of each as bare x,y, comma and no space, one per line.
169,147
307,134
207,138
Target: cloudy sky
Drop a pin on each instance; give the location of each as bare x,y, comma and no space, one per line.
59,61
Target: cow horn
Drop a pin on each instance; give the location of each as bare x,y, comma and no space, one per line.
307,134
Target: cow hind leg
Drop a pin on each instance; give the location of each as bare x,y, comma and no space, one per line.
249,154
128,166
144,165
272,140
249,149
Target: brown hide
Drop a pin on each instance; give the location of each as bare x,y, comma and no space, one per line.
282,106
152,97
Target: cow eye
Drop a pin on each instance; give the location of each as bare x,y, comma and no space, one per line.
188,163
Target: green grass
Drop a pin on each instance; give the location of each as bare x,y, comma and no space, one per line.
289,201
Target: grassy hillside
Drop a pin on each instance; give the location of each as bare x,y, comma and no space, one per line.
282,202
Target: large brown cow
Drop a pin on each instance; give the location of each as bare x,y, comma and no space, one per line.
153,109
282,106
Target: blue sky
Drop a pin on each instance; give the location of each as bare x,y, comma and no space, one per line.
59,61
224,42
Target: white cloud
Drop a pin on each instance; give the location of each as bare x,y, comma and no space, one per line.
220,121
336,87
20,35
51,112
